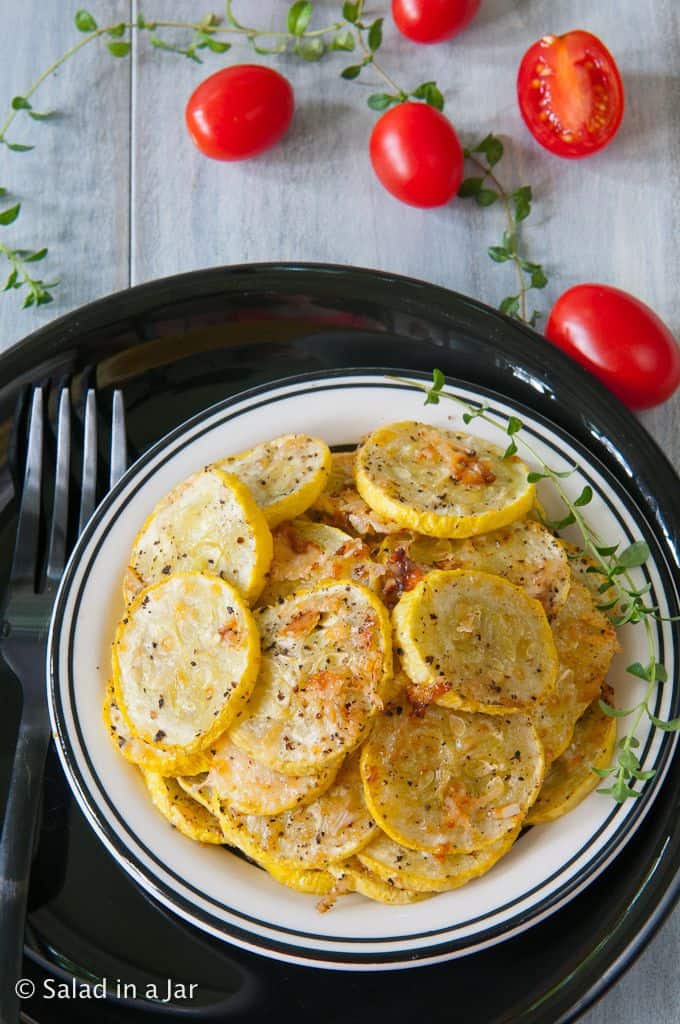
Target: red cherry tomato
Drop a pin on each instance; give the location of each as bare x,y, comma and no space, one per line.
570,94
620,340
416,155
240,111
431,21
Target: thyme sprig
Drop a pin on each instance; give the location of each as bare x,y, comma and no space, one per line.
211,34
309,43
214,34
621,598
20,276
206,35
486,189
369,39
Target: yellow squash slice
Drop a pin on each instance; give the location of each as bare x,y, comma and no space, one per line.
284,475
306,552
185,659
571,777
208,523
314,882
395,692
428,872
582,567
332,828
439,482
474,641
326,654
524,552
249,787
451,782
341,505
355,876
147,755
307,880
556,715
586,643
187,816
585,640
193,787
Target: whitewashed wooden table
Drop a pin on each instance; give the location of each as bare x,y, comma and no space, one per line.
120,195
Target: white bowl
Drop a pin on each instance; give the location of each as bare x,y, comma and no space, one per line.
217,890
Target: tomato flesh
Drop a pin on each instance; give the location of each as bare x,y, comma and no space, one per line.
432,21
570,94
620,340
416,155
240,111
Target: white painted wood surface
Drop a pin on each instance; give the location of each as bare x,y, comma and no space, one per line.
120,195
74,186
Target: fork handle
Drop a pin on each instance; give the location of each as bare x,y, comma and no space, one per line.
16,854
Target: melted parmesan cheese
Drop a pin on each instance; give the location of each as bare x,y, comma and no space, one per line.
330,829
524,552
571,777
451,782
326,653
237,780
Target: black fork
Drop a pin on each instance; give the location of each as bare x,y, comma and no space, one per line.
24,624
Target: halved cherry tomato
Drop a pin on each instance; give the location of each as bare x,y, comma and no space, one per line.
570,94
416,155
620,340
240,111
431,21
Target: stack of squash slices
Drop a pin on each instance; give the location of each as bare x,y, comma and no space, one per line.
368,671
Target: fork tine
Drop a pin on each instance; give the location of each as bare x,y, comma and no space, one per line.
26,548
89,481
59,526
118,439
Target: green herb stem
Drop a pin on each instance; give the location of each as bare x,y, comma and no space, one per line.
517,207
256,33
50,71
307,43
369,39
37,291
370,59
487,172
643,707
213,29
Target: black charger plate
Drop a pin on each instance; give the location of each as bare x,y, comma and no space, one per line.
176,346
